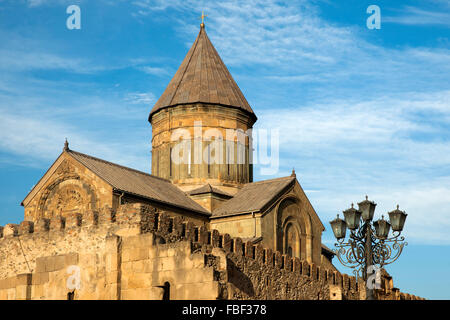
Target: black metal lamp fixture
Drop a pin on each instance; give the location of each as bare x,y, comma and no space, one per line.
369,243
339,228
397,218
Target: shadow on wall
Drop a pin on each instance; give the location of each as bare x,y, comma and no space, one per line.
239,279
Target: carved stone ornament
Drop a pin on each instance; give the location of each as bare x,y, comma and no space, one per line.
65,168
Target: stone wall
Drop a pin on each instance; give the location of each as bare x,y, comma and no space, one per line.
214,120
140,253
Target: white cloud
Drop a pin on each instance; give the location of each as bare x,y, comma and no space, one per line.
15,60
40,139
416,16
395,149
38,3
288,42
141,98
154,71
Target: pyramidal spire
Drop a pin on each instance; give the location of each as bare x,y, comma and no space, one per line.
202,78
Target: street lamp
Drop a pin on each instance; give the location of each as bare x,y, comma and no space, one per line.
368,243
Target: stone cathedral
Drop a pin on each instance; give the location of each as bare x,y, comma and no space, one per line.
93,229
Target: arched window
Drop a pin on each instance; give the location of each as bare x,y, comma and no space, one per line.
291,240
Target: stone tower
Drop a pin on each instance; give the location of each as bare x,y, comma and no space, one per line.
201,124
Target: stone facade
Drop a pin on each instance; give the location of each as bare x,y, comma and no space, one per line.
67,187
289,224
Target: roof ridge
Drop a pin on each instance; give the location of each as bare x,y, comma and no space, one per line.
117,165
208,188
269,180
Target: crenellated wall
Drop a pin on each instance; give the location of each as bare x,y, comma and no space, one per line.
139,252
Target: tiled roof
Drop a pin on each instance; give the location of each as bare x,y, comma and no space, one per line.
138,183
207,188
254,196
202,78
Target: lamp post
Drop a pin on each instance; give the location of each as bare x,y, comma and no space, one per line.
368,243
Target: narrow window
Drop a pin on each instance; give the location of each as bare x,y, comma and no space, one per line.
170,161
71,295
166,294
209,158
157,162
228,161
189,162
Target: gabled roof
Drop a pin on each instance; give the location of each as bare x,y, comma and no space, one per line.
202,78
254,196
207,188
138,183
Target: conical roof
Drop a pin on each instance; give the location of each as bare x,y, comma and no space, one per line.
202,78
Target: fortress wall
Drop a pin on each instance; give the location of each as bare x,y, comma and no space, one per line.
136,252
254,272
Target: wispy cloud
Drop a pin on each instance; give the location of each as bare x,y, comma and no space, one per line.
38,3
292,43
157,71
141,98
39,137
396,149
416,16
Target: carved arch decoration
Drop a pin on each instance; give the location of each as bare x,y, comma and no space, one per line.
66,194
293,228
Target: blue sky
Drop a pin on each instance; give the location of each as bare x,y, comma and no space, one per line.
359,111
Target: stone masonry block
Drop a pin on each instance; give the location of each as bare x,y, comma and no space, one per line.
23,279
269,257
73,219
215,238
259,253
278,260
288,262
306,268
40,264
26,227
42,225
297,265
92,217
238,246
313,271
57,223
227,242
10,229
345,281
249,249
103,216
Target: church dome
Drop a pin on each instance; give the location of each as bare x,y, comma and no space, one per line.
203,92
202,78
